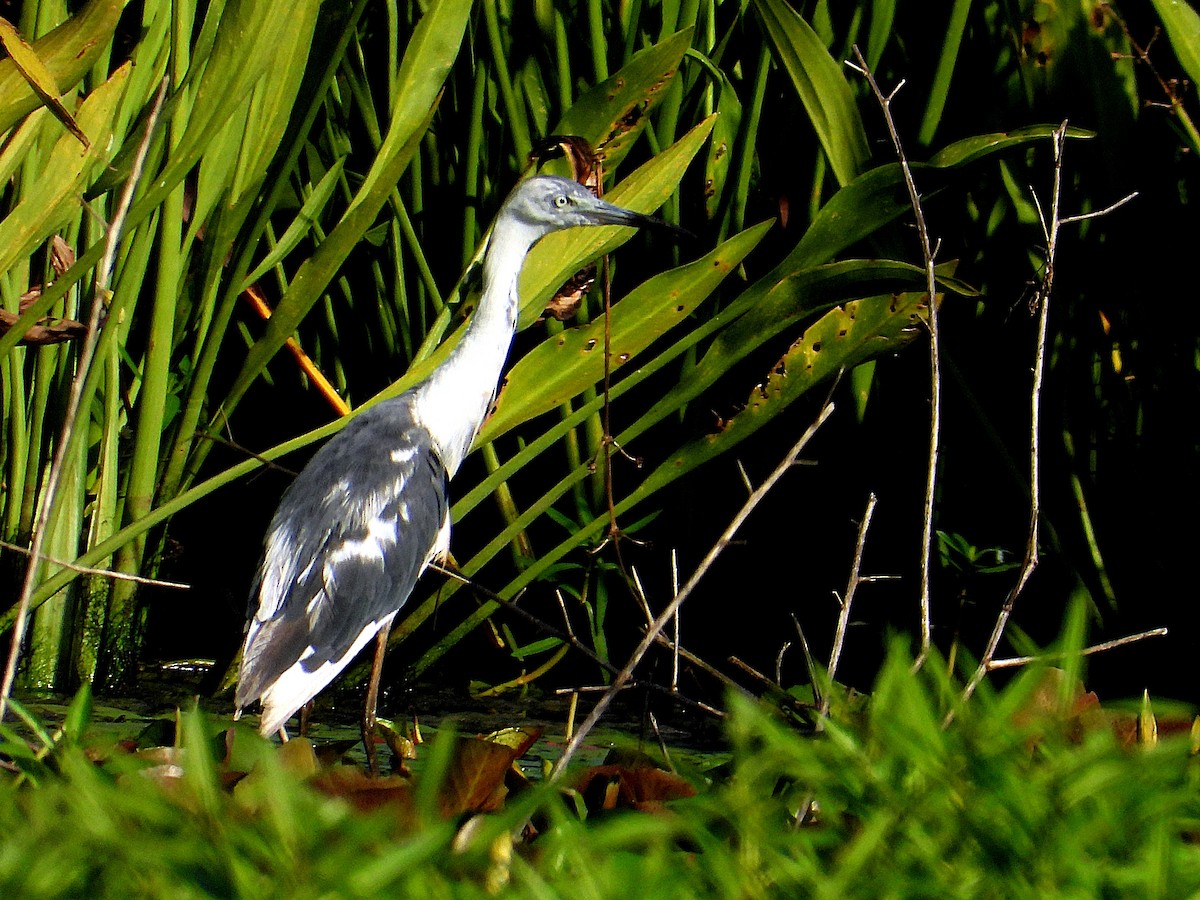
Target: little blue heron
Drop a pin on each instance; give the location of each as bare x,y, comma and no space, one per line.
370,511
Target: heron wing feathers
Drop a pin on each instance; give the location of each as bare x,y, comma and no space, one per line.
351,536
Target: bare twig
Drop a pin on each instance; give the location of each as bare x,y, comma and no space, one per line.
783,649
694,660
103,573
566,616
935,358
604,688
652,633
1050,230
1015,661
839,634
662,745
675,590
640,593
83,363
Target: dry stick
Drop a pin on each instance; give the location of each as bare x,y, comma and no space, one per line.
1050,232
772,687
102,573
675,589
694,660
1012,662
662,745
839,634
623,677
935,356
675,647
602,688
83,364
783,649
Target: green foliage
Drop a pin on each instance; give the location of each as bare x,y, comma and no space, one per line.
1009,800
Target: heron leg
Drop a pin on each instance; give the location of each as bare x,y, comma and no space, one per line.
368,721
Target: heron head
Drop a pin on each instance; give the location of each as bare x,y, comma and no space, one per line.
548,203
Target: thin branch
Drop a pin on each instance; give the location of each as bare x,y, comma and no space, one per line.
1015,661
1050,230
783,649
675,590
652,633
662,745
1081,217
773,688
640,593
935,357
839,634
103,573
566,616
83,363
603,688
692,659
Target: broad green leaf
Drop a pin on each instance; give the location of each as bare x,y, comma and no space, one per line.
274,98
612,114
767,308
877,197
252,116
68,52
803,293
883,17
861,208
38,76
821,85
971,149
841,339
566,364
1182,24
721,148
940,89
431,52
241,38
53,197
16,146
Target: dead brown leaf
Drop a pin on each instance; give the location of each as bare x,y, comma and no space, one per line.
474,781
364,792
46,330
642,788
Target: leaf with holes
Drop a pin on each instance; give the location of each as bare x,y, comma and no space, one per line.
841,339
611,115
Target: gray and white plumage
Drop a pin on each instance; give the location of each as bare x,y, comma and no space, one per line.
370,511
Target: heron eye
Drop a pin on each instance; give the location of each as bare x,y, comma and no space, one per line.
560,201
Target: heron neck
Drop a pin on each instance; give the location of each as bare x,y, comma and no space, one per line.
454,400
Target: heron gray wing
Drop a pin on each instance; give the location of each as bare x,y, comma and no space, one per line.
350,538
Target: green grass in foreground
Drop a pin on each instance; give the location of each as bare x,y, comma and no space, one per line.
904,808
